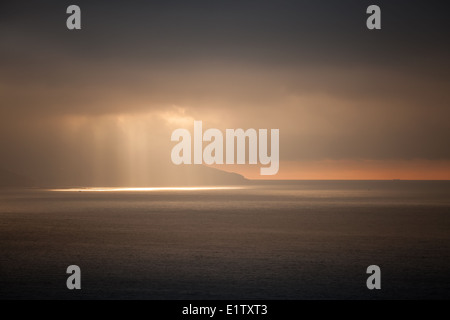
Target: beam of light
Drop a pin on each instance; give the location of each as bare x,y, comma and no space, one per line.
143,189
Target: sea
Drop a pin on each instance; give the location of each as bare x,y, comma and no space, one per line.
269,241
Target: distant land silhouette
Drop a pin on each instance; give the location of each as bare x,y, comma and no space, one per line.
10,179
202,175
176,176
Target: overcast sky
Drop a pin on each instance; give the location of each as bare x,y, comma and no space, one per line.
102,101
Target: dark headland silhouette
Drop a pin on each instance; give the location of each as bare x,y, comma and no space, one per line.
177,176
10,179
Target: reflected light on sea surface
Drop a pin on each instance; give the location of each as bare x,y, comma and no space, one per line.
144,189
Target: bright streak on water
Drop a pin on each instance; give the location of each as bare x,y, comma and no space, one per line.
144,189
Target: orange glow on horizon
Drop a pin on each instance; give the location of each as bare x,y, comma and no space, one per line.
350,170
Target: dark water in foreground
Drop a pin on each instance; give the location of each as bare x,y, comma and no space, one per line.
312,240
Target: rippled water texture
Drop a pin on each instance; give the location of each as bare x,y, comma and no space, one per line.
310,240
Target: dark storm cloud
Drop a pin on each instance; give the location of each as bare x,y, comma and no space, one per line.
127,45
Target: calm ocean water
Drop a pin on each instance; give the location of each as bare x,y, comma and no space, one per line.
309,240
